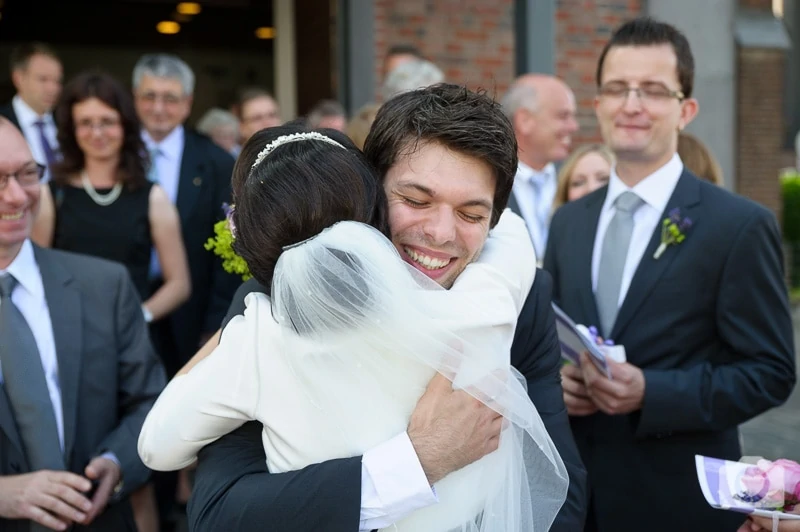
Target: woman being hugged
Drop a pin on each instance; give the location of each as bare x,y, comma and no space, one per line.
333,359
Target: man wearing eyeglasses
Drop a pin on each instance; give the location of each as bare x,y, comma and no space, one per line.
78,374
688,278
195,173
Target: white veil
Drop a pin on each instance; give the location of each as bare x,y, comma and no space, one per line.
363,333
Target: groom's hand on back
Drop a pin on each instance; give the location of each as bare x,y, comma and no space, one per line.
451,429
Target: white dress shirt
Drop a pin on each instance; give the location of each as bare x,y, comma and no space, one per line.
655,190
29,297
535,191
27,117
168,160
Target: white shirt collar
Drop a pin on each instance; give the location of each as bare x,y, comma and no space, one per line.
172,145
27,116
655,189
26,271
528,174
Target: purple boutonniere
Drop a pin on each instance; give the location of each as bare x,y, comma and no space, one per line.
228,210
673,231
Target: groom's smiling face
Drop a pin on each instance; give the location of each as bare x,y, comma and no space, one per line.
440,206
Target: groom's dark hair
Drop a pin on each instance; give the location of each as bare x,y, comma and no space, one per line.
296,191
468,122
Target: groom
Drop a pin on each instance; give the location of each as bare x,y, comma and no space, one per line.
447,158
704,318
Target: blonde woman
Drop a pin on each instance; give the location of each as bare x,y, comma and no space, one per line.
698,159
359,126
585,170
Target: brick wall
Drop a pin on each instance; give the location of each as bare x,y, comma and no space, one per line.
472,41
583,28
760,153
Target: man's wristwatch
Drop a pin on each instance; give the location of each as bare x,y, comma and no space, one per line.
148,316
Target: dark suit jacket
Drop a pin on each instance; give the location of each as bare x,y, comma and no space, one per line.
709,324
204,185
7,111
108,373
234,491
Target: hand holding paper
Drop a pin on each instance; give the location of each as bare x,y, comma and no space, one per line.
768,491
576,397
574,342
621,393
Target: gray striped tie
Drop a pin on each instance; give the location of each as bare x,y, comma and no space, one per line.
612,259
25,385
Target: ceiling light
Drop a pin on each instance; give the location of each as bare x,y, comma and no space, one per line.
265,32
168,27
189,8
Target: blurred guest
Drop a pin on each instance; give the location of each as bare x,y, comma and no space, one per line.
399,54
327,114
257,110
195,173
79,373
36,73
698,158
585,170
542,110
359,126
223,128
100,203
409,76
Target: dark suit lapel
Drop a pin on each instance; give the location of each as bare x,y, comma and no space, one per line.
584,250
64,303
685,197
190,180
8,111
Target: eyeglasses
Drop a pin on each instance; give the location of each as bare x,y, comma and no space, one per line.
27,176
167,98
650,92
260,117
88,126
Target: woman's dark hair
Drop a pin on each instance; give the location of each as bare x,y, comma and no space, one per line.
298,190
133,158
645,31
467,122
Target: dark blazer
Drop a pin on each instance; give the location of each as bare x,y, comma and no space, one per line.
204,185
709,324
7,111
234,491
108,373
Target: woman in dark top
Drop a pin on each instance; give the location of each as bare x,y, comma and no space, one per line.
101,203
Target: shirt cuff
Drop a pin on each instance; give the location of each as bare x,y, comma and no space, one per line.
113,457
393,484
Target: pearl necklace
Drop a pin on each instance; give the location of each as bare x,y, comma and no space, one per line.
104,200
